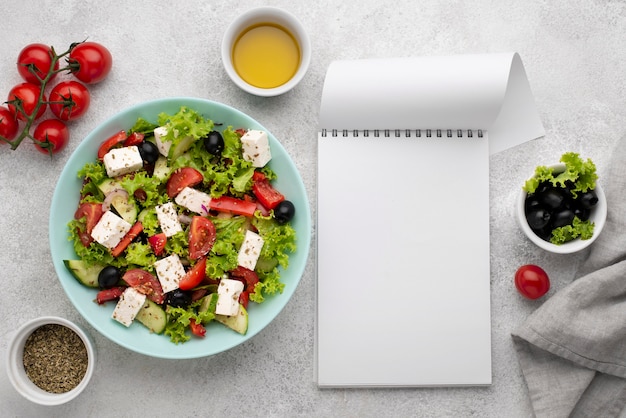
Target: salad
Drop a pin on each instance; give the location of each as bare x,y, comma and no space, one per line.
178,225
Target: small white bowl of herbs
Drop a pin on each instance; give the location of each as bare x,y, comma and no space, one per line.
562,208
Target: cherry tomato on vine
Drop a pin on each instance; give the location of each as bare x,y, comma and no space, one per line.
90,62
28,94
69,100
532,281
37,57
8,124
52,136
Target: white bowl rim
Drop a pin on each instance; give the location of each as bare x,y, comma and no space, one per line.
17,374
266,14
599,217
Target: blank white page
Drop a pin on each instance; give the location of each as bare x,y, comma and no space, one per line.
403,261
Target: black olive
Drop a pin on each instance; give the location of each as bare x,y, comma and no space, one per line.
532,203
178,298
214,143
109,277
588,199
562,218
148,151
538,219
544,233
552,198
543,186
284,212
582,213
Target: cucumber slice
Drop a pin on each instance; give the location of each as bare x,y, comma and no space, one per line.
85,274
107,185
208,303
237,322
152,316
161,170
180,148
126,208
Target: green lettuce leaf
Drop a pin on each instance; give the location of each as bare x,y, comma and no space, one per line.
578,229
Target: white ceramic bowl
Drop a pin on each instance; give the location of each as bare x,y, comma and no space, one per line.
266,15
17,373
598,217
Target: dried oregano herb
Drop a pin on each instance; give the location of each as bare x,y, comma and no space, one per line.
55,358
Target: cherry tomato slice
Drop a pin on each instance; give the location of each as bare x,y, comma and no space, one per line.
197,329
532,281
247,276
69,100
145,283
232,205
157,242
244,299
202,236
134,231
266,194
181,178
112,293
194,276
110,143
92,212
135,138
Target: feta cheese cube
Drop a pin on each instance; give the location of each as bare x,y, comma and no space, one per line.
250,250
110,230
228,293
194,200
120,161
256,147
128,306
168,219
162,145
169,271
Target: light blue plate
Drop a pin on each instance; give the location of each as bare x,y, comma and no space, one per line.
137,337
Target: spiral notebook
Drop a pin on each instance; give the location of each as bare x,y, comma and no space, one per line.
403,278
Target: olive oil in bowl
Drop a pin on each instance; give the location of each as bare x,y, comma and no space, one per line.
266,55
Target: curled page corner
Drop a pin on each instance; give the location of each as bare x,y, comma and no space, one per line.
487,92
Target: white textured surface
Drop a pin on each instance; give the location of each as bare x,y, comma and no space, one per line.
575,58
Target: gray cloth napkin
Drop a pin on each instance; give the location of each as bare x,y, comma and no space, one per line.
572,349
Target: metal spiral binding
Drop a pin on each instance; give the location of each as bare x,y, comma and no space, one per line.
428,133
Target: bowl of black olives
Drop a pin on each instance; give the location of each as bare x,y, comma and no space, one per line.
562,208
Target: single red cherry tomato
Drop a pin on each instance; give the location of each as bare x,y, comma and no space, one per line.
181,178
145,283
34,63
8,124
51,136
69,100
194,276
28,95
90,62
202,236
532,281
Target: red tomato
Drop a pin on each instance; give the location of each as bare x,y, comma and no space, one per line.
157,242
267,195
247,276
202,236
244,299
107,295
90,62
134,231
197,329
232,205
181,178
51,135
8,124
194,276
69,100
135,138
111,142
145,283
34,63
92,212
532,281
26,96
